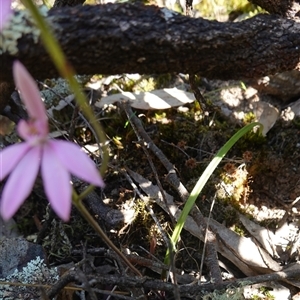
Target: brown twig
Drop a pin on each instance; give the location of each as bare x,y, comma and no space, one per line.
175,182
63,281
210,245
165,238
192,290
172,178
199,97
84,212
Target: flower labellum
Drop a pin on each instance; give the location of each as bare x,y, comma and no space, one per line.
55,159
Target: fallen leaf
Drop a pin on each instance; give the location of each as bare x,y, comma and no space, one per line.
157,99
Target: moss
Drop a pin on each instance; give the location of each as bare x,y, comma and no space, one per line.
296,122
249,118
231,293
251,141
212,9
142,215
145,85
239,230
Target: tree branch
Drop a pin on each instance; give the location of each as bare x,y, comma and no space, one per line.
61,3
126,38
285,8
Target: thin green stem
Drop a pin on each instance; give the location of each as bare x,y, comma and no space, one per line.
83,194
84,212
66,70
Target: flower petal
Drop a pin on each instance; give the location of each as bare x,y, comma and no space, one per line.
10,156
5,12
56,183
30,93
76,161
20,183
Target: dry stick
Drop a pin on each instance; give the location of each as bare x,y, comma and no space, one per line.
249,44
50,215
142,143
192,77
196,91
64,280
111,217
86,285
188,289
70,276
81,273
145,200
84,212
209,235
209,245
189,8
179,187
126,107
116,295
153,264
165,238
276,276
73,122
141,133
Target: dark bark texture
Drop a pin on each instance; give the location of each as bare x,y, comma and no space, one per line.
127,38
62,3
285,8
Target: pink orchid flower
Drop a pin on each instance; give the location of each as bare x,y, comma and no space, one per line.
55,159
5,12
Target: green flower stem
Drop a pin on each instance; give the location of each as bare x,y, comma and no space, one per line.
84,193
66,70
84,212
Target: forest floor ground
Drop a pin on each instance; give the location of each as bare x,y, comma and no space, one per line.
259,178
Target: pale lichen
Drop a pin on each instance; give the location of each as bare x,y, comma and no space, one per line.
20,24
36,273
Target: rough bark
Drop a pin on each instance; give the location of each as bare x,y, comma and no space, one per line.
61,3
286,8
126,38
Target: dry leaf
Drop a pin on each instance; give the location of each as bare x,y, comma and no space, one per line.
157,99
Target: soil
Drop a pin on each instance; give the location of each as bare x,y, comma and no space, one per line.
259,178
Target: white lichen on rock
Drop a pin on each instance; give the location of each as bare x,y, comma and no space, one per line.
35,272
58,89
20,24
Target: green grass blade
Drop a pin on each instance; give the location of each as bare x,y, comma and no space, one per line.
203,180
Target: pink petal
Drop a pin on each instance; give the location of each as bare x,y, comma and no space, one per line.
20,183
56,183
5,12
10,156
29,93
76,161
